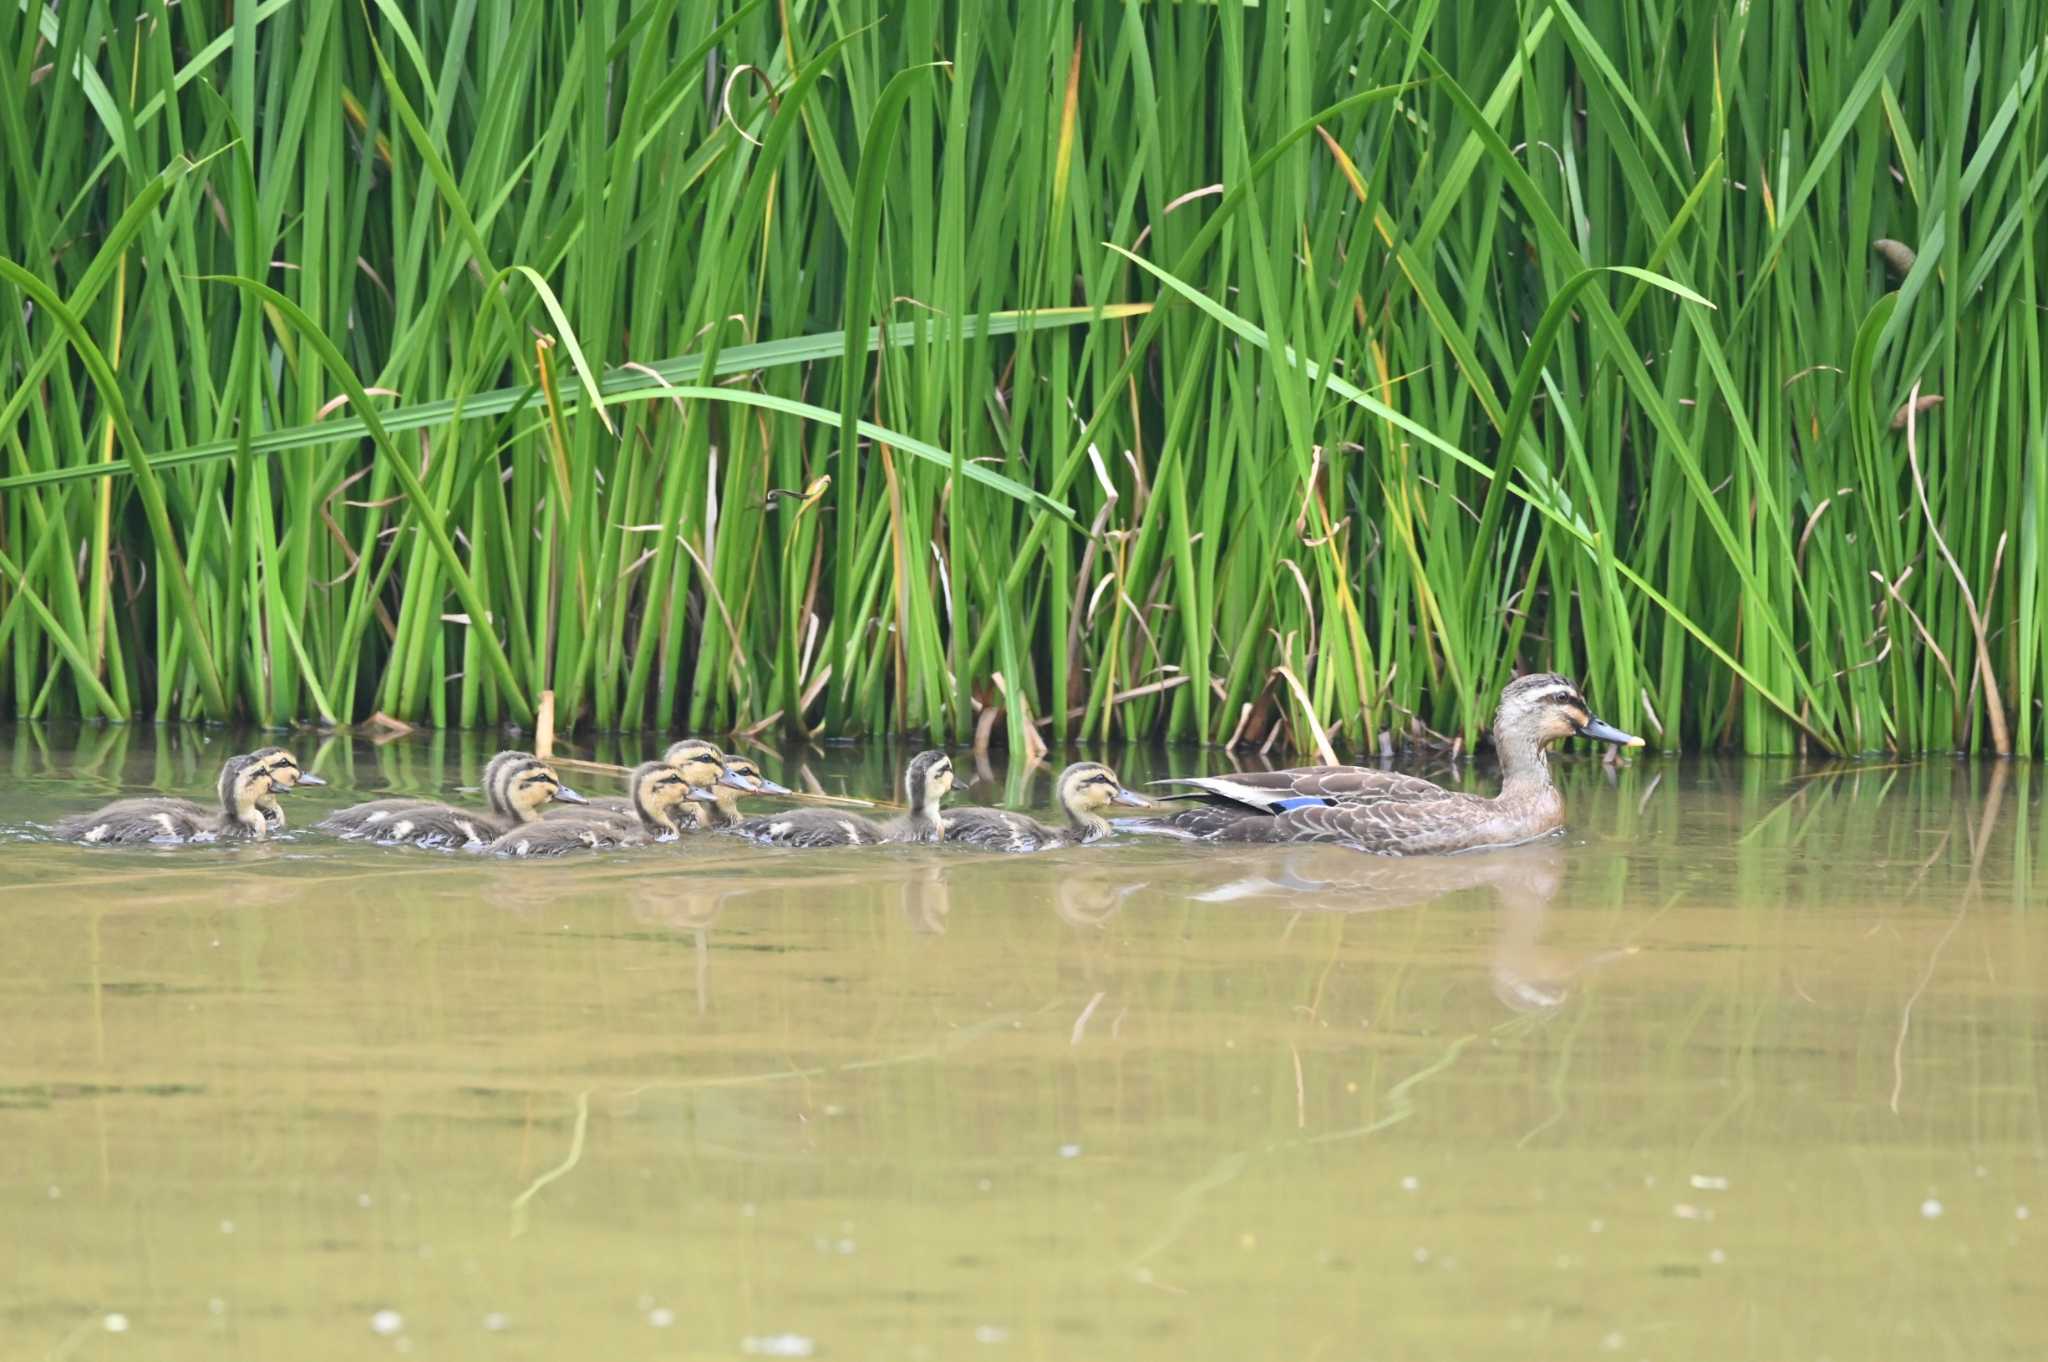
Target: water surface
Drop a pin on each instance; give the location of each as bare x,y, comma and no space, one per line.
1749,1063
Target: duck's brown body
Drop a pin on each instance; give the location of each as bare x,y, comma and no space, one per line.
1400,815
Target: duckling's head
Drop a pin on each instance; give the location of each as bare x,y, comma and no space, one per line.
245,788
518,783
928,781
659,789
284,768
742,774
686,750
1547,708
699,764
1088,787
285,774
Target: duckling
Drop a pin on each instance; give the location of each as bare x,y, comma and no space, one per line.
1084,789
246,790
926,783
1397,815
516,785
660,794
285,775
697,759
720,807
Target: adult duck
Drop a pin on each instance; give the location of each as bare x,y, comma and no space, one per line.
1398,815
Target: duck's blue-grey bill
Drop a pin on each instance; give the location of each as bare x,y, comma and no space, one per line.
568,796
1606,732
308,778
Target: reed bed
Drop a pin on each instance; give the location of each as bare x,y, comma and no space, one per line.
1282,375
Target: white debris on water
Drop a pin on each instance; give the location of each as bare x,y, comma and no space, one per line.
227,1227
1708,1182
1685,1210
991,1333
1716,1257
1930,1209
661,1317
1070,1151
1411,1183
2020,1213
386,1322
1595,1226
778,1345
496,1321
115,1323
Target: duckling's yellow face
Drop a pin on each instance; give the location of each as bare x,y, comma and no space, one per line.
1090,787
533,784
743,775
285,771
248,791
698,770
928,780
661,789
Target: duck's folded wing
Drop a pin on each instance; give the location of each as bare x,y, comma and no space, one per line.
1387,827
1265,791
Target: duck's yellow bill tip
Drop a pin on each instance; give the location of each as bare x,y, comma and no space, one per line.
1633,742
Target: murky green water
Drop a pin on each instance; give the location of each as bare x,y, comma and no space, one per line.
1750,1064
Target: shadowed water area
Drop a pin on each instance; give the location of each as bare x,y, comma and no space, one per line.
1749,1062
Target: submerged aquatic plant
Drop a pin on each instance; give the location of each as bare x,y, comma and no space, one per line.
1268,374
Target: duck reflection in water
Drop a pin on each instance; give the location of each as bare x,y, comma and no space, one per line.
1527,976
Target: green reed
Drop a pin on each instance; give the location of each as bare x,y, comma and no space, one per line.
1197,371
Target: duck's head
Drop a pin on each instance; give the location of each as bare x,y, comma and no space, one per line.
659,790
1088,787
686,751
518,783
1548,708
247,791
742,774
927,781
